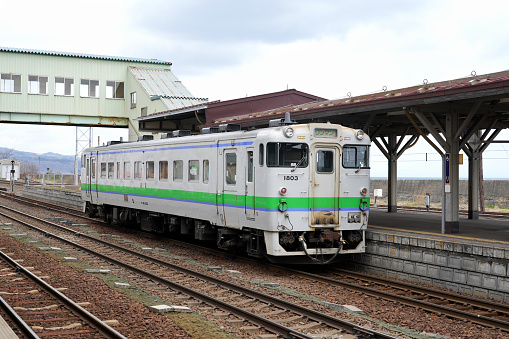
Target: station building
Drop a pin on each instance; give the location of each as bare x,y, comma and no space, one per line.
6,166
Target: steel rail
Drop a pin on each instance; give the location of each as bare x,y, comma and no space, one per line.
486,304
428,306
49,206
309,313
85,315
20,323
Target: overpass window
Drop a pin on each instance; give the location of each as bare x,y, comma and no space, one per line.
89,88
64,86
37,84
133,100
10,83
115,89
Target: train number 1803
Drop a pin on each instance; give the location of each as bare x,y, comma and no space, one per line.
290,177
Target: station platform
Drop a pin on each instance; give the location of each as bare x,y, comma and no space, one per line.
6,331
430,222
408,245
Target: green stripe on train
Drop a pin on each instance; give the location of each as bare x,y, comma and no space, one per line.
233,199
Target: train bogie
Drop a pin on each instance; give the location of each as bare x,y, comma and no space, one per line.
293,194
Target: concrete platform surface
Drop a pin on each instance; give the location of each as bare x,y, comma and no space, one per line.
6,331
430,223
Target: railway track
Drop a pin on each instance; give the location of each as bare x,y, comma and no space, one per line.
251,307
443,303
453,305
38,309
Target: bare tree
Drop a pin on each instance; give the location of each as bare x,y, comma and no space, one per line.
5,153
28,168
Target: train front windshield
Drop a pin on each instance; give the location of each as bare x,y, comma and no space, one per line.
285,154
356,156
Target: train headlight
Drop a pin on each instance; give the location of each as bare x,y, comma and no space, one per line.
282,191
364,191
288,132
359,135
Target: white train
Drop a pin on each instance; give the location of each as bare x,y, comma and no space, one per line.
293,193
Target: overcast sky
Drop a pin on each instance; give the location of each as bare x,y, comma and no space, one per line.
229,49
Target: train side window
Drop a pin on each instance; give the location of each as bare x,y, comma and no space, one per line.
178,170
111,170
250,166
231,169
163,170
205,171
83,159
150,170
137,170
103,170
118,170
325,161
261,155
194,169
127,170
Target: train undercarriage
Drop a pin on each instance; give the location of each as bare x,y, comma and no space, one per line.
319,246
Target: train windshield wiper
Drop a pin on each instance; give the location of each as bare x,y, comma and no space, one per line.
300,162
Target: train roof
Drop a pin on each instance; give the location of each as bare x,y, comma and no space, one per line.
180,136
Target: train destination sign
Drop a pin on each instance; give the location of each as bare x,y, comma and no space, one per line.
326,132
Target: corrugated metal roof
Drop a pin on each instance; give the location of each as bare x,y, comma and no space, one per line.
164,85
79,55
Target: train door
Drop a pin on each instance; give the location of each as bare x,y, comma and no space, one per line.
230,181
324,185
250,185
92,177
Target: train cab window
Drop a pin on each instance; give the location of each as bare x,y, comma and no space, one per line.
356,156
287,155
205,171
103,170
118,170
149,167
137,170
178,170
325,161
163,170
250,166
194,169
111,170
231,169
127,170
261,155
